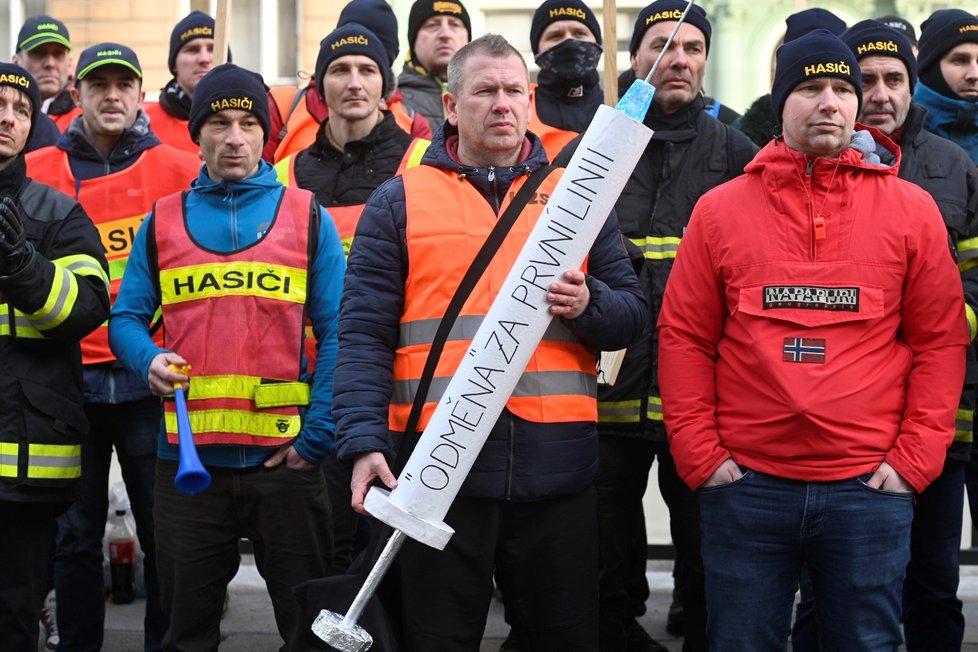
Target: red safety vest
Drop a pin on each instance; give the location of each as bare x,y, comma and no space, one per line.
553,139
117,204
559,384
170,130
237,319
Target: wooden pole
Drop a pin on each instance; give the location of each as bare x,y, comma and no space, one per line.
222,31
610,29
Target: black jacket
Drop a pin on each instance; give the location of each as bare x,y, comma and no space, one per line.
521,460
347,178
690,153
947,173
40,361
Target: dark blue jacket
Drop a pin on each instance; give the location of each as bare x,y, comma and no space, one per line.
521,460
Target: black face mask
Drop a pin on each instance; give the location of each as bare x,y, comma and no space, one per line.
570,59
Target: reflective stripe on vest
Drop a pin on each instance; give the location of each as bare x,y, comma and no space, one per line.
964,426
412,157
629,411
238,319
553,139
8,459
116,204
559,384
657,248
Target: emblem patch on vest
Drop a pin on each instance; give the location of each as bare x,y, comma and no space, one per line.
804,349
811,297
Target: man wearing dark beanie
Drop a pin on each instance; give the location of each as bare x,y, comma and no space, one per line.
103,157
932,617
690,153
191,57
566,41
54,281
252,261
813,352
948,66
297,113
436,30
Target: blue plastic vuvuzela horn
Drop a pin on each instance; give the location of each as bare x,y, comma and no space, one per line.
191,478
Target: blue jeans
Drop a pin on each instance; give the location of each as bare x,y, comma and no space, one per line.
759,531
132,428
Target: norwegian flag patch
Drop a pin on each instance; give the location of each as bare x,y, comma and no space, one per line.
804,349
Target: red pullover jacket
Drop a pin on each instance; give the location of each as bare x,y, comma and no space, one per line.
807,348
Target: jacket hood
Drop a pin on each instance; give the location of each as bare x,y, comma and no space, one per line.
488,180
868,150
133,141
264,179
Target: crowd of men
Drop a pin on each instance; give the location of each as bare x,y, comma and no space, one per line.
794,291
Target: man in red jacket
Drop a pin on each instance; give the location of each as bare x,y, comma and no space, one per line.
812,353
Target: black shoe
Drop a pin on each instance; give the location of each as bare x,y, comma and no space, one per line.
638,640
674,621
512,643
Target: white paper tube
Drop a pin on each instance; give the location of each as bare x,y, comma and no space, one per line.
512,329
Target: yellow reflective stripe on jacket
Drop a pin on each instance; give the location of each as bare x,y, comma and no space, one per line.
255,279
270,393
418,149
21,322
282,170
8,460
969,314
620,411
83,265
238,422
967,254
654,410
53,461
964,423
656,248
59,302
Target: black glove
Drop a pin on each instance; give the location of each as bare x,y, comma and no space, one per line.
13,244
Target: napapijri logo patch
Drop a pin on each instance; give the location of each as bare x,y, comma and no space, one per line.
804,349
811,297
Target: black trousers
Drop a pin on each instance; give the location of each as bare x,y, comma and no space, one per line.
622,478
545,553
26,540
285,515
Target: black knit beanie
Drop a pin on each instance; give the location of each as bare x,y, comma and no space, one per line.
379,18
945,29
819,53
422,10
195,25
229,87
870,37
901,25
352,38
808,20
552,11
667,10
17,78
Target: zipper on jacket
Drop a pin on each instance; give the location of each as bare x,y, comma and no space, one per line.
811,202
491,178
510,454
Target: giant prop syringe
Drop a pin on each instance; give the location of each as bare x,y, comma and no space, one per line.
501,348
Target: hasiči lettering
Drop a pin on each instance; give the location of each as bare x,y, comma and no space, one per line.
840,68
447,8
109,53
673,14
968,28
197,31
242,103
350,40
267,281
19,80
573,12
48,27
877,46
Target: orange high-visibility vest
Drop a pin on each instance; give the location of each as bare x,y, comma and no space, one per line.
169,129
237,318
63,120
448,220
301,127
553,139
117,204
